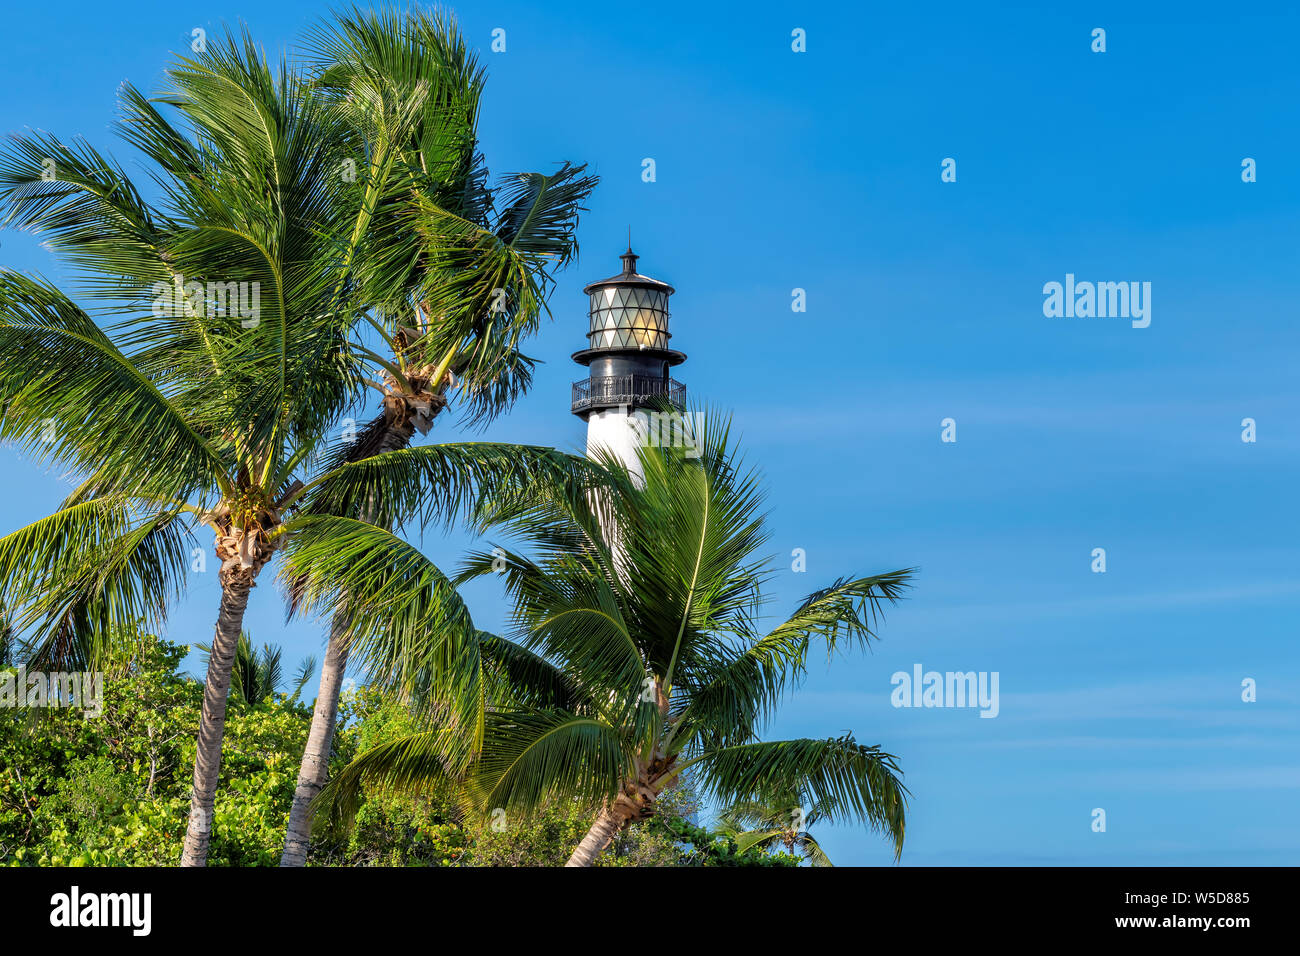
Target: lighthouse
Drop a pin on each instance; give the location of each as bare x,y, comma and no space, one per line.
628,361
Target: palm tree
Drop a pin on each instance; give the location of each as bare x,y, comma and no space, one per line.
778,822
192,413
255,677
450,284
207,407
638,616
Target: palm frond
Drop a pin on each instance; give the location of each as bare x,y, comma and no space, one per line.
110,419
852,781
72,579
437,482
743,687
406,764
532,756
306,670
83,206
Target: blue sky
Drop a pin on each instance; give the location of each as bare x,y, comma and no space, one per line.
821,171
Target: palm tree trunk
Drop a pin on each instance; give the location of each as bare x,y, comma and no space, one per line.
235,588
315,758
314,771
601,835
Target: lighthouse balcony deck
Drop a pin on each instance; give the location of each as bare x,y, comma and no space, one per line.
609,391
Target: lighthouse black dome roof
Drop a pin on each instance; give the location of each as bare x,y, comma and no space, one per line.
630,277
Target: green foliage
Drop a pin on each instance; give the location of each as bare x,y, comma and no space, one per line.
114,789
92,792
784,819
706,848
437,827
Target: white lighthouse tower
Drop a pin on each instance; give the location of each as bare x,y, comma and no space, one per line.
628,361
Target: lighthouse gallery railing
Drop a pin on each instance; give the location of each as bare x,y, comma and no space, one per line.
603,391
